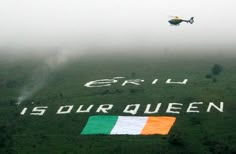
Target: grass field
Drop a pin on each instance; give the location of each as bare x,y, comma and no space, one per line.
202,132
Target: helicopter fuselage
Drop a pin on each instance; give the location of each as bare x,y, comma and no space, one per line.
175,21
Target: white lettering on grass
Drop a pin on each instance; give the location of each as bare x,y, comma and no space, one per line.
191,107
65,109
39,110
80,110
133,81
169,81
23,111
154,81
128,109
171,107
137,82
220,108
147,110
104,108
102,82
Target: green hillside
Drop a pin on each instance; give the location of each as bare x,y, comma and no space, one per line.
203,132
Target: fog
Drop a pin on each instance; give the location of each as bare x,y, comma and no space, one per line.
59,30
91,26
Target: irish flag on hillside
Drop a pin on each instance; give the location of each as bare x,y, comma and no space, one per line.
128,125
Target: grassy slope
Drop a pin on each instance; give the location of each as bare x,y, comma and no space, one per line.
51,133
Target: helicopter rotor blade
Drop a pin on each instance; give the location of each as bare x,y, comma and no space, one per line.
170,16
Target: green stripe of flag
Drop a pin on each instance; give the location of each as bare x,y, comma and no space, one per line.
103,125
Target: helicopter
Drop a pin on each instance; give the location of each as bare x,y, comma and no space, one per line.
176,20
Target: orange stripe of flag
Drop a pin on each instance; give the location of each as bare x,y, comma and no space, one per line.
158,125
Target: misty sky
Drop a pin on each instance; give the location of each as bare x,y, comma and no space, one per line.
116,23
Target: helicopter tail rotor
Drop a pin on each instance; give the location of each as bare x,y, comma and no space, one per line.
191,20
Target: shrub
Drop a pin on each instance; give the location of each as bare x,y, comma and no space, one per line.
208,76
214,80
133,74
176,139
216,69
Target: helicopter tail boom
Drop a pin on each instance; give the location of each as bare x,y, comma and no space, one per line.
190,20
